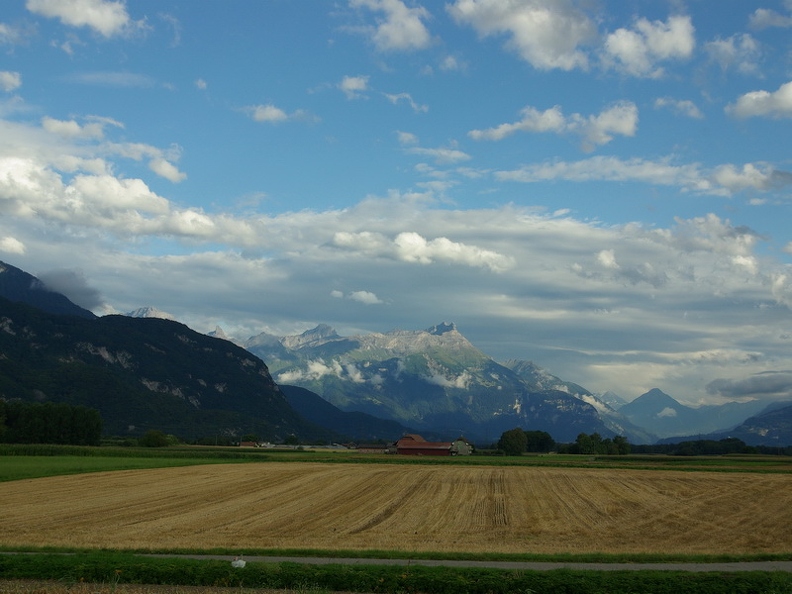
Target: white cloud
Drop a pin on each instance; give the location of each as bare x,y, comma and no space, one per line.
412,247
741,52
71,129
167,170
11,245
440,155
681,106
723,180
547,34
416,107
406,138
401,28
267,113
105,17
607,259
762,18
620,118
10,81
354,86
201,84
776,104
637,51
365,297
452,64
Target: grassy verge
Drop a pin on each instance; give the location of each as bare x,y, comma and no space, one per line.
422,555
122,568
38,460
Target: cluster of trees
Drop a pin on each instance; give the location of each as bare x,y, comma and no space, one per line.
596,444
60,423
516,441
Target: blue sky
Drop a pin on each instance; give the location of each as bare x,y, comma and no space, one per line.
601,187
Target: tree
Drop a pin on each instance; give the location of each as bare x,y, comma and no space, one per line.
513,442
539,441
622,445
154,438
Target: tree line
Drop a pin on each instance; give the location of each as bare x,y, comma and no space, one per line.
48,422
516,441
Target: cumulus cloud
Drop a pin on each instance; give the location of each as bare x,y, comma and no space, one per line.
106,17
72,129
546,34
620,118
166,169
776,104
399,28
607,259
741,52
10,81
412,247
763,18
683,107
354,87
638,51
11,245
364,297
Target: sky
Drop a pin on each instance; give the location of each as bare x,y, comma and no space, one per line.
602,187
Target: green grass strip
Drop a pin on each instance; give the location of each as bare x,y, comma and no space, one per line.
117,568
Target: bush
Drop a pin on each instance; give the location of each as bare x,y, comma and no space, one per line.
154,438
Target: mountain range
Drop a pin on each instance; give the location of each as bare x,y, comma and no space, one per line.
145,371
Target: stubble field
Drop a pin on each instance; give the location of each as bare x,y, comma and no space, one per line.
511,509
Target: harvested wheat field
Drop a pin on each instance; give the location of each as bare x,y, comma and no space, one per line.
407,507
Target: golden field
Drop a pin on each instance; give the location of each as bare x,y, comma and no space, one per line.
509,509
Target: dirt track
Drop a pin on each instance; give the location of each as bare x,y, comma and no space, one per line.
406,507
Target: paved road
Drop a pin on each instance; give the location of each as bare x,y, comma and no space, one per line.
519,565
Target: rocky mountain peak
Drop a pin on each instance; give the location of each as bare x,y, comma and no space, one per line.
150,312
442,328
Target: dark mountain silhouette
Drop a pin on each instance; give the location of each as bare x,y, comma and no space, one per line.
143,373
20,287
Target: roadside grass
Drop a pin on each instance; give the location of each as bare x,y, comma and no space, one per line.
415,555
25,461
123,568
